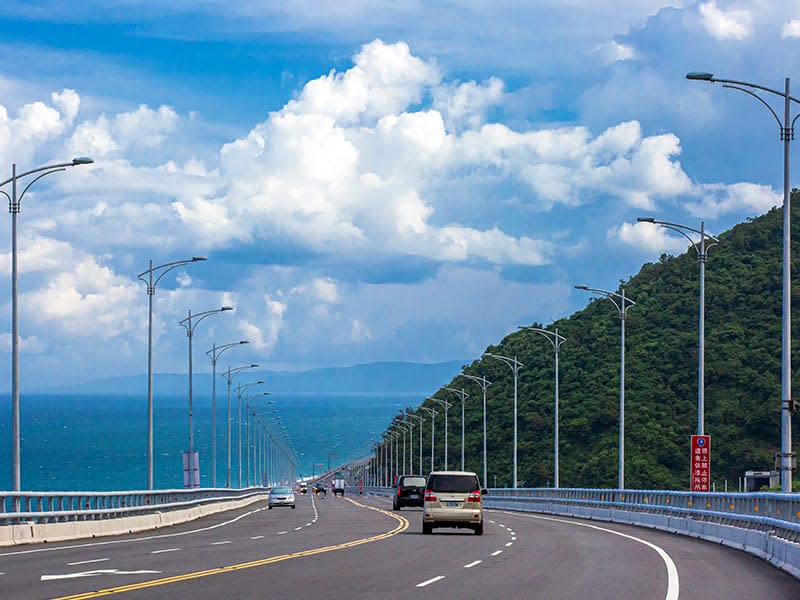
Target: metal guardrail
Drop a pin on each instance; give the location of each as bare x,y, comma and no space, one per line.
55,507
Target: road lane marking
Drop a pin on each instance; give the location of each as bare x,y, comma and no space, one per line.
282,532
673,581
87,562
95,574
509,544
430,581
257,537
165,550
496,552
220,543
402,525
298,528
308,525
472,564
513,539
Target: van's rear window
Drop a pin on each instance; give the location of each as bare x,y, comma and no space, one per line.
453,483
413,481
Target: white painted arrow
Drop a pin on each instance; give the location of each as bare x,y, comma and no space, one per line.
95,574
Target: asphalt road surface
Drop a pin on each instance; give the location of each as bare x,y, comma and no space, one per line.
357,547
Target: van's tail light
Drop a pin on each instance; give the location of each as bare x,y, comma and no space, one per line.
398,490
430,496
474,496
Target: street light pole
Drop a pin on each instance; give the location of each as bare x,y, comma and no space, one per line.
229,375
158,272
622,305
446,405
191,455
555,340
483,383
463,395
420,420
786,128
515,366
14,204
239,389
214,354
701,249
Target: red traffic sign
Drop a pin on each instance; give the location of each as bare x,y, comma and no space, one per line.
701,463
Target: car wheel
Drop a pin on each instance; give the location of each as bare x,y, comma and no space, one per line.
479,528
427,529
292,506
269,507
394,504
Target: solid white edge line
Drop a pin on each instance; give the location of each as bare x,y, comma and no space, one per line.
496,552
673,582
87,562
472,564
165,550
430,581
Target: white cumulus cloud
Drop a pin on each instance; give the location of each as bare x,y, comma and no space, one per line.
733,24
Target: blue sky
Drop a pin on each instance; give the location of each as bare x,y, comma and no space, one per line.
370,180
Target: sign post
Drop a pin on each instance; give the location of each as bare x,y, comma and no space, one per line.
701,463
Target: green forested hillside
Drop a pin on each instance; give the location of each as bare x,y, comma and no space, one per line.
743,342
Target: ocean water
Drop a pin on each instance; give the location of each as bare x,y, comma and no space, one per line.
99,442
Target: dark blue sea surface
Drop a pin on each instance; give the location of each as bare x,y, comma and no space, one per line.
99,442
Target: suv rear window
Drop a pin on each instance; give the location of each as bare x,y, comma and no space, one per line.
453,483
413,481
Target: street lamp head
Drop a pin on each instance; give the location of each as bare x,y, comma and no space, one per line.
224,308
198,258
646,219
581,287
699,76
244,342
253,366
81,160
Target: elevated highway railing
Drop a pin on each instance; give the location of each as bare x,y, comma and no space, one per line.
57,507
762,523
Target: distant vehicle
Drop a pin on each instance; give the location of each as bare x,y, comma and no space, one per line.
409,491
303,488
338,487
319,488
281,496
453,499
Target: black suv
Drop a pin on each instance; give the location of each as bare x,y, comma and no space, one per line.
410,491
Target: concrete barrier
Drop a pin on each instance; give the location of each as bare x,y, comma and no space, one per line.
34,533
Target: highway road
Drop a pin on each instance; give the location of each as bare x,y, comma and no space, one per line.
358,548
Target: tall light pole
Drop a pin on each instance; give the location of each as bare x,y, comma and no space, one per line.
191,461
463,395
515,366
229,375
420,420
701,249
483,383
432,412
151,277
622,304
14,204
214,354
445,404
786,128
239,389
555,340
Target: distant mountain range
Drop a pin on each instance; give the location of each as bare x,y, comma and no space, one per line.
384,378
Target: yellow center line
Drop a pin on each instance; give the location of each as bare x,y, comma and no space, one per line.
401,526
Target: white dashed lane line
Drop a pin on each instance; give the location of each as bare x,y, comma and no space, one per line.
298,528
496,552
472,564
257,537
430,581
282,532
509,544
220,543
165,550
87,562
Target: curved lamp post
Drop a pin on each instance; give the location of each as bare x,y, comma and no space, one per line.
555,340
420,421
239,389
701,249
515,366
622,304
151,277
229,375
214,354
463,395
432,412
483,383
14,203
445,404
190,323
786,129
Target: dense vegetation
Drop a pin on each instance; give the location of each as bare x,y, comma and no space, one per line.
742,397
